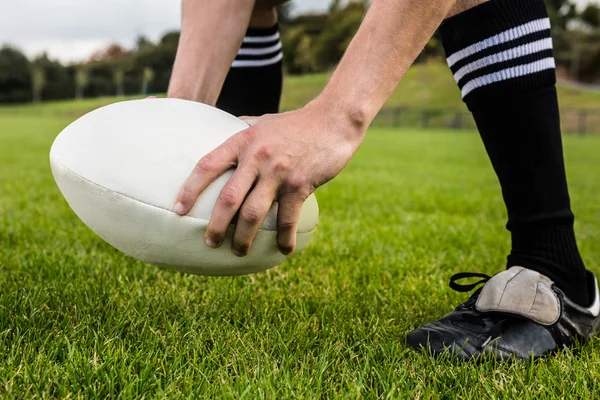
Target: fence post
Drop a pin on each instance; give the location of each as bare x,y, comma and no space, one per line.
425,118
397,116
458,120
579,121
582,122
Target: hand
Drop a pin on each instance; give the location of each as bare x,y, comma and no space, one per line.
282,157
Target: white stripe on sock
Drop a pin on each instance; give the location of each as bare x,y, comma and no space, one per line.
257,63
261,39
510,54
503,37
508,73
259,52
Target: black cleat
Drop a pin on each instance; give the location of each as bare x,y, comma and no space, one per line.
517,313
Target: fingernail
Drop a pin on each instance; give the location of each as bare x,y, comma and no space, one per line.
179,209
211,243
238,253
285,251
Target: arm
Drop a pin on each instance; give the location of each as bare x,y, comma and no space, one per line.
211,34
287,156
389,40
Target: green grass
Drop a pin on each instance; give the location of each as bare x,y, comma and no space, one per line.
425,85
78,319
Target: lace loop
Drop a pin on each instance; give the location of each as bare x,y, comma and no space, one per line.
463,275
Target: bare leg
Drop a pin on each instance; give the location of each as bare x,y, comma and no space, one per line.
211,34
254,82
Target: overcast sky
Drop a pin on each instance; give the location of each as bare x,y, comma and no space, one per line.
71,30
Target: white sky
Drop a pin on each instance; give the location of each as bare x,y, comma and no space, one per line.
70,30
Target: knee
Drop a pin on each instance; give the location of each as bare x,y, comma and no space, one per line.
264,14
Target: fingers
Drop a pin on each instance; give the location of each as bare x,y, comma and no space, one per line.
228,203
252,214
209,168
288,215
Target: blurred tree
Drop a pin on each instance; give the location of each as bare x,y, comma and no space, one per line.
38,81
290,42
170,40
82,80
58,84
143,43
433,49
284,14
304,56
15,76
590,16
583,57
342,24
561,13
111,53
313,24
160,59
311,43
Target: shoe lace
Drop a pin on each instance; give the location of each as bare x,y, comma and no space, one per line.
464,275
498,320
468,287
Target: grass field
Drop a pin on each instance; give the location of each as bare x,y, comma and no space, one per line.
80,320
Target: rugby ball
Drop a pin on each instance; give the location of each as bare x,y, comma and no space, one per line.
120,168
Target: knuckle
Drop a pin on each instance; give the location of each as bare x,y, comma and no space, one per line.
251,214
280,167
230,146
263,153
286,226
248,135
228,197
184,193
298,185
205,164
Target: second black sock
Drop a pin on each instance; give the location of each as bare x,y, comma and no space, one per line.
500,53
254,82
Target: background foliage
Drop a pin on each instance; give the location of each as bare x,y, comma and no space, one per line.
311,43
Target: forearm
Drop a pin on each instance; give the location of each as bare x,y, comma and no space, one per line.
389,40
211,34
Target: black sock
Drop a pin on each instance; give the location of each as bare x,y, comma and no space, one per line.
500,53
253,84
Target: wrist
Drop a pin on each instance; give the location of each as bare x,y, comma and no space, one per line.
353,117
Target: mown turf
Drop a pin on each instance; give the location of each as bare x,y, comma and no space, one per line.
80,320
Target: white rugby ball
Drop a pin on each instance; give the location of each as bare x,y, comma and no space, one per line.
120,168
